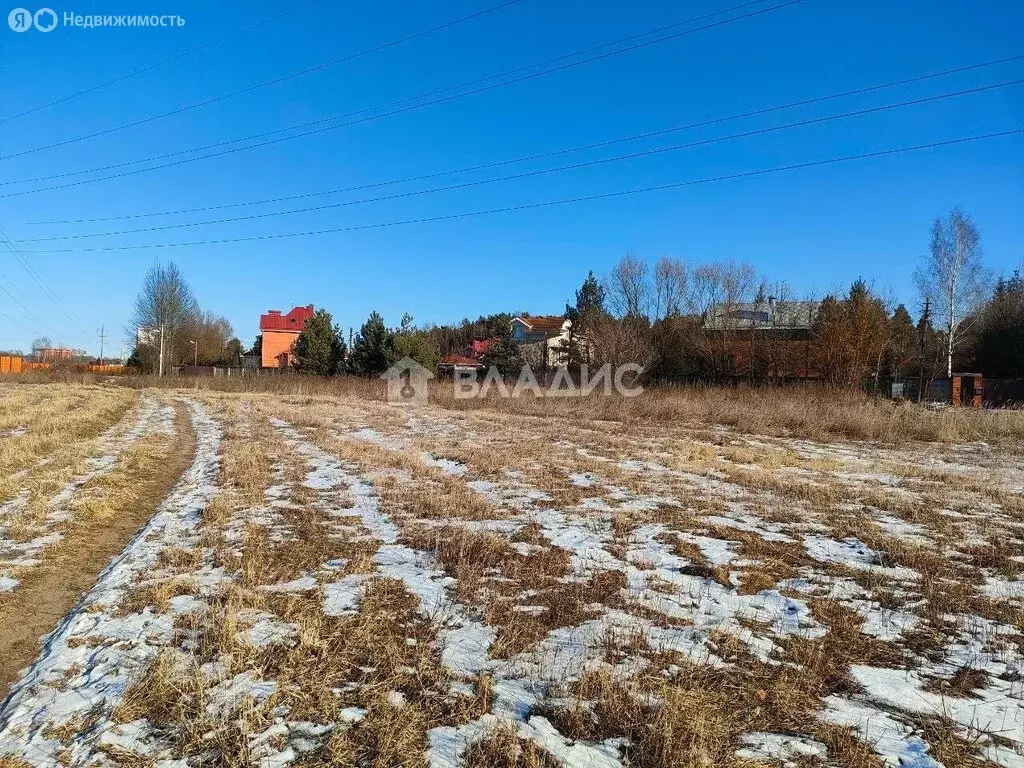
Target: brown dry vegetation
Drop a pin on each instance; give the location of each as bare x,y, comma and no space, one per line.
555,521
107,513
812,411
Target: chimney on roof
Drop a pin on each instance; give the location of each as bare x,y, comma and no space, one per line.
273,311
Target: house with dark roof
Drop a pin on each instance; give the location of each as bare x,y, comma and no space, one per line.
769,315
279,332
768,339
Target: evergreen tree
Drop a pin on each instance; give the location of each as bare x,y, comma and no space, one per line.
585,312
902,340
1001,339
503,353
319,348
373,350
409,341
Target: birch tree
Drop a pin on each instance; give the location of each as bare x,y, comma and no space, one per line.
953,277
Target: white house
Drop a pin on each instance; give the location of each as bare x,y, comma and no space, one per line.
541,338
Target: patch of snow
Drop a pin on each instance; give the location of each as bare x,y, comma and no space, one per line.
854,553
780,747
465,649
448,466
583,479
996,709
301,584
228,697
341,598
94,655
893,741
571,754
1000,588
351,714
265,629
715,551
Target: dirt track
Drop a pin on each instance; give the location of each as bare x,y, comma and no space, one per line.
53,588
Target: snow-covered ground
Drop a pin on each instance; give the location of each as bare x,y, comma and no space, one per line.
552,569
22,552
97,651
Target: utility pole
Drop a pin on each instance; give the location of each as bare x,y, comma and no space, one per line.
922,328
161,350
102,333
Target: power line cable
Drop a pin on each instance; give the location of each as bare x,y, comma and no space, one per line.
16,321
397,111
27,312
161,63
19,255
24,308
264,84
548,203
542,155
542,171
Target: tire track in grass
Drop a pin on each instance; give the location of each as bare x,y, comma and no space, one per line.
97,651
20,554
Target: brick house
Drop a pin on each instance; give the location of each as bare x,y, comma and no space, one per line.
279,332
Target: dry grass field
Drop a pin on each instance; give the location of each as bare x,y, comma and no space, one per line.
311,577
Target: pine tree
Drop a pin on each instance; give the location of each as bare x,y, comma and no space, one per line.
409,341
373,350
902,340
319,348
1000,344
503,353
588,307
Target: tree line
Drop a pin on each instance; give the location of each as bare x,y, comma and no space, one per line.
190,335
680,321
690,321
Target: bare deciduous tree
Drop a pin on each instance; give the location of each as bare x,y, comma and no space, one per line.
627,288
166,301
669,287
953,277
717,291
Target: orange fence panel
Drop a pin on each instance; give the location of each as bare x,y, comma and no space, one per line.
10,364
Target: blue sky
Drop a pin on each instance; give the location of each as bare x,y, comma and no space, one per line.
816,228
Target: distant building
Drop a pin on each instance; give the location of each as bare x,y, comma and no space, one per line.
768,339
541,337
279,332
466,363
55,354
768,315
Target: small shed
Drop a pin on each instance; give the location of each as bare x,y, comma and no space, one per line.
967,390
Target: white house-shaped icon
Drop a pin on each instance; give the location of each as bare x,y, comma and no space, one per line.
407,382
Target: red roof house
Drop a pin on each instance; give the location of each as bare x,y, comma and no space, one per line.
279,333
